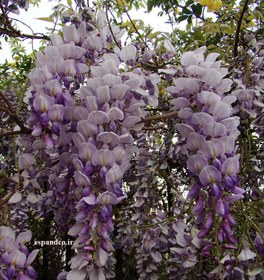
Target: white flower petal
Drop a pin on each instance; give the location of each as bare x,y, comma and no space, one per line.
246,254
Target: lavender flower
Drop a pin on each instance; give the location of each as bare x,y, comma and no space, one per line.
16,260
210,132
89,128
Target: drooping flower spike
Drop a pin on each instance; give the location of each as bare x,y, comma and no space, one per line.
210,132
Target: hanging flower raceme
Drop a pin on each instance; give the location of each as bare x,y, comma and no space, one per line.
105,146
15,258
149,241
249,90
210,132
83,118
52,97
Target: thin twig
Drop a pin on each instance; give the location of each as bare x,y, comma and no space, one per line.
7,102
4,109
239,23
12,32
34,34
134,26
16,132
160,117
16,33
154,127
110,28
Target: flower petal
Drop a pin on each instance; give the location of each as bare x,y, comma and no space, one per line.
98,117
231,166
24,237
87,128
103,157
184,129
209,175
101,257
108,138
128,53
15,198
86,151
76,274
195,163
195,141
31,257
246,254
113,174
26,160
81,179
106,198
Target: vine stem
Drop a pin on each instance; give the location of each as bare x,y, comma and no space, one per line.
239,23
160,117
110,27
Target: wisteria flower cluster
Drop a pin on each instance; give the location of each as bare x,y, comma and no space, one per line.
86,115
210,132
249,87
121,181
15,258
148,240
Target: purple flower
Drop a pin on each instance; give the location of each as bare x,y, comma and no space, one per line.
210,131
26,160
15,258
42,103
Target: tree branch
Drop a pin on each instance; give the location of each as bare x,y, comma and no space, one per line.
16,33
9,30
154,128
110,27
239,23
160,117
16,132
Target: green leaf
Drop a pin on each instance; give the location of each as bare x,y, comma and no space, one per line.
188,3
189,20
198,35
69,2
48,19
197,9
229,31
182,18
255,271
186,11
154,35
153,3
